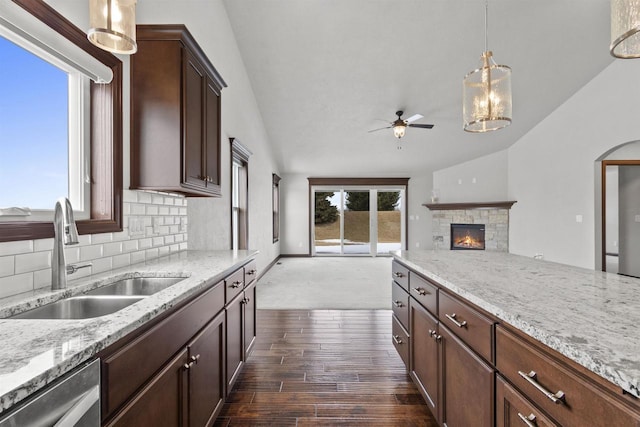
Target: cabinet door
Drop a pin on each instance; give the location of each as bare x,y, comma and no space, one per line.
206,373
212,137
193,118
468,391
424,354
162,402
234,345
513,409
249,321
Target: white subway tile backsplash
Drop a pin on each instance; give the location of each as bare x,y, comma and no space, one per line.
144,197
16,284
137,257
91,252
101,238
121,260
25,265
100,265
42,245
42,278
13,248
111,249
7,264
31,262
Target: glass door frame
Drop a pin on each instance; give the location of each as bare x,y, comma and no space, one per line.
373,215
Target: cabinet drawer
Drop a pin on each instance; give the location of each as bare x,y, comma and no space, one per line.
475,329
513,409
400,304
400,274
401,341
250,273
424,292
581,403
233,285
130,367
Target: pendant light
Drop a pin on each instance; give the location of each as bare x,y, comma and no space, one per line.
625,28
113,25
487,92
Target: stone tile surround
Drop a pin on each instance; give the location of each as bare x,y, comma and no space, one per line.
496,223
26,265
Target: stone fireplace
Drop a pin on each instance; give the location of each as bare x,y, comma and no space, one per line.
465,237
492,216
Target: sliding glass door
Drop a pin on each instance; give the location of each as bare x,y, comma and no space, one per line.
357,221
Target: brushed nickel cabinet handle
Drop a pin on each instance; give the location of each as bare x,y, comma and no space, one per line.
531,378
397,340
237,284
251,272
398,303
452,317
435,336
421,291
195,358
398,274
530,421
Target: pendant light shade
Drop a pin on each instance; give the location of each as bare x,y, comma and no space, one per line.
487,96
625,28
113,25
486,92
399,130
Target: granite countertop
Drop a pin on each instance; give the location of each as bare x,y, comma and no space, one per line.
36,352
591,317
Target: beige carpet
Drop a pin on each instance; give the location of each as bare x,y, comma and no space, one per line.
327,283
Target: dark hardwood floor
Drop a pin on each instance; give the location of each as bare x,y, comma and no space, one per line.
324,368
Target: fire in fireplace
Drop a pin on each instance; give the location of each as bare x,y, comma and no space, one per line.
467,236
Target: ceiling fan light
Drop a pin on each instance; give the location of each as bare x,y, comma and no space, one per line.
399,130
487,103
625,29
113,25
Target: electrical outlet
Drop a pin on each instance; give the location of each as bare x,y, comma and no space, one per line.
136,226
578,218
637,218
183,224
155,224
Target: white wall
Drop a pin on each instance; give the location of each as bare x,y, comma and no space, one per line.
296,217
629,203
480,180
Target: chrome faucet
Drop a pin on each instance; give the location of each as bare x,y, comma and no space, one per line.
65,233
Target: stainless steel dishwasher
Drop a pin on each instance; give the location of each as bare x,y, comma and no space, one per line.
73,400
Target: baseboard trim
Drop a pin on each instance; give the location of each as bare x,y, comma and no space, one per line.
295,255
271,264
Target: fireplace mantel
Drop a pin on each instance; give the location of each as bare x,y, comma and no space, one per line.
471,205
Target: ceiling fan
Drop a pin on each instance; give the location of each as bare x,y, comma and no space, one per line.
400,125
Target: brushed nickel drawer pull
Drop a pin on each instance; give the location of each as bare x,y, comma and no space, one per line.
434,335
236,284
421,291
398,303
531,377
452,317
251,272
397,340
398,274
530,421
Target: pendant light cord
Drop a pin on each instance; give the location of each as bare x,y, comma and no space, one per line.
486,25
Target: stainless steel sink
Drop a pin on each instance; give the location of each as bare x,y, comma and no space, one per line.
80,307
136,286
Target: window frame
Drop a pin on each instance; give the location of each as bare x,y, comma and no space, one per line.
105,134
239,196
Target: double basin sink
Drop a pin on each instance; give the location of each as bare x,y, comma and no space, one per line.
101,301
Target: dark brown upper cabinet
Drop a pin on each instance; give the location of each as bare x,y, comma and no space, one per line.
175,114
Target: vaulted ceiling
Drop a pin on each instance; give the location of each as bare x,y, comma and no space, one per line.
325,72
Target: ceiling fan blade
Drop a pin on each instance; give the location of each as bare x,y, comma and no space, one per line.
414,118
420,126
375,130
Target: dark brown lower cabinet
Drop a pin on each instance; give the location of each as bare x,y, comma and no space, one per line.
162,402
249,319
206,373
468,385
425,355
235,345
513,409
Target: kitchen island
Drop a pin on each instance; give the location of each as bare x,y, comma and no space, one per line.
35,353
566,315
